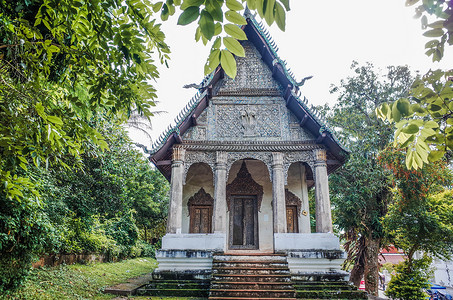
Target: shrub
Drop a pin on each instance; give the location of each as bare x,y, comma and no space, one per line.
410,279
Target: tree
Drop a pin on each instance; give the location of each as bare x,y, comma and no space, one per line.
420,218
68,67
360,188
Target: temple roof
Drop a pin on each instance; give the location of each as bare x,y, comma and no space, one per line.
309,118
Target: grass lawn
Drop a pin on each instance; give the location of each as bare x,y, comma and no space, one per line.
82,281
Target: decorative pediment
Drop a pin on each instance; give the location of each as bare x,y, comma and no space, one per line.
200,198
293,200
244,184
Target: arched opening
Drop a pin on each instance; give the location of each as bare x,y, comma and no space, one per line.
246,200
198,201
299,181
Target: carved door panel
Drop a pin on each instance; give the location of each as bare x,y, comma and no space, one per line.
200,219
291,219
243,223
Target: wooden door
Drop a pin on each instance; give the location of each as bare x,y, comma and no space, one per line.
243,223
291,219
200,219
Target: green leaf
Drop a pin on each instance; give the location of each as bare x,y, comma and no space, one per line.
189,15
411,2
280,16
189,3
403,106
410,129
218,28
54,119
286,4
235,32
207,26
436,155
234,46
251,4
217,43
215,10
234,5
213,61
434,32
396,115
268,10
235,18
437,24
228,63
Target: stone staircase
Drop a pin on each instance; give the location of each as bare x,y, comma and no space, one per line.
252,276
177,284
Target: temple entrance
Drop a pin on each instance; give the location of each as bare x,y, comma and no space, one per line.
243,223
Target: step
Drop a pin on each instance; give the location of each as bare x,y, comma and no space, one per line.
173,292
323,287
250,258
251,285
252,293
253,298
251,271
321,294
177,285
248,263
252,277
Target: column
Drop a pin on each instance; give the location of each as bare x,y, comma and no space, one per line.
220,208
305,213
176,184
278,193
323,209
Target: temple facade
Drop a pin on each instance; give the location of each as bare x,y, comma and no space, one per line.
241,160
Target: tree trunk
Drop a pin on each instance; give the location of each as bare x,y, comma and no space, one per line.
356,274
372,265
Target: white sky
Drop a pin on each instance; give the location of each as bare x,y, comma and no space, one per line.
322,38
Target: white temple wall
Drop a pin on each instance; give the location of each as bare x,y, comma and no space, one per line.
260,174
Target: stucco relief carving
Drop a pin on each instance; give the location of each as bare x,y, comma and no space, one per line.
248,118
200,198
300,156
244,184
198,157
265,157
252,72
291,199
253,121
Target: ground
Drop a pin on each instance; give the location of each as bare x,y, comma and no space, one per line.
82,281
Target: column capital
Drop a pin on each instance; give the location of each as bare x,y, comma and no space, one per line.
178,154
277,160
221,158
320,154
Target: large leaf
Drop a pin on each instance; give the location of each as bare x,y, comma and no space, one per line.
188,3
280,16
268,9
234,46
434,33
215,10
189,15
235,32
234,5
207,26
228,63
235,18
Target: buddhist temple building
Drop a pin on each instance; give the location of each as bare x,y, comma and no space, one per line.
241,160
